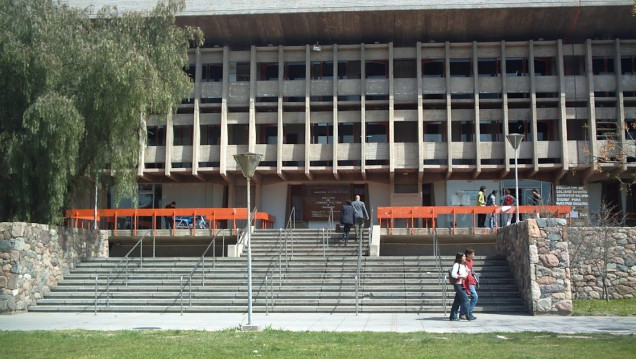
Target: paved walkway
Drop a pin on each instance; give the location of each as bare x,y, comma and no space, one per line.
339,322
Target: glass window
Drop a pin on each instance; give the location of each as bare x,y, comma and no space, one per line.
156,135
377,132
182,135
210,134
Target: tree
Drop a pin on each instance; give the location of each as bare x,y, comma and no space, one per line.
75,92
592,248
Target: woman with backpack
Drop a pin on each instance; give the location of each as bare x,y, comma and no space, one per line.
509,201
460,273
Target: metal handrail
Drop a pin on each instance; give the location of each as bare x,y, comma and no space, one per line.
359,265
126,258
440,269
196,266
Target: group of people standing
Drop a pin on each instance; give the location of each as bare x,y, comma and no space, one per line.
465,285
353,214
489,220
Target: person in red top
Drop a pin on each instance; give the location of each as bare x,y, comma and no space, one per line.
469,285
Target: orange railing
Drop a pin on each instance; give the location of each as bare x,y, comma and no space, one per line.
151,218
429,214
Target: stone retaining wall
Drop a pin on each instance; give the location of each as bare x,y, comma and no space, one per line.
538,257
620,269
33,257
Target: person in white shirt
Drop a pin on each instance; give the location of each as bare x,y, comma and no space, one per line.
460,272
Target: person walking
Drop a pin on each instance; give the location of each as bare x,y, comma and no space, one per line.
491,202
347,219
470,285
459,272
168,220
481,202
508,201
360,215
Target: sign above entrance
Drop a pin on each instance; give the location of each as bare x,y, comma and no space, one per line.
318,199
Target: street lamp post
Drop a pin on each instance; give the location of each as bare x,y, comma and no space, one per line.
248,162
515,141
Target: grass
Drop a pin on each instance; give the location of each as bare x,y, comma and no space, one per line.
283,344
620,307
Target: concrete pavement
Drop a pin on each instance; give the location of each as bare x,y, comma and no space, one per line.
337,322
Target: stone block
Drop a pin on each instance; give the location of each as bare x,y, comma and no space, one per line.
564,307
549,260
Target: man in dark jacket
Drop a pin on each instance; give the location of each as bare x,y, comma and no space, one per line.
360,216
347,219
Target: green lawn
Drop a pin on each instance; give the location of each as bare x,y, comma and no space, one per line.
284,344
620,307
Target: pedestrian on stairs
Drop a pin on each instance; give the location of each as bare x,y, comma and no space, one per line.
360,215
347,219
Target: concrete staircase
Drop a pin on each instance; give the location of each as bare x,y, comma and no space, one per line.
306,281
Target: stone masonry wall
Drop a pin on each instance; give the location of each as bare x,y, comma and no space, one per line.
589,261
33,257
538,257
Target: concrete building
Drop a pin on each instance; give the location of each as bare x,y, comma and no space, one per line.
406,104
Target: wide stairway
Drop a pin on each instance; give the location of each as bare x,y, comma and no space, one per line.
314,274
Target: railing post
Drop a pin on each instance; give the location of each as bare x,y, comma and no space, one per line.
96,277
181,292
108,291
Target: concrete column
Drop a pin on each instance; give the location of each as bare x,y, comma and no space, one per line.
279,120
363,97
563,125
476,110
591,102
307,107
391,113
196,128
504,107
533,107
224,97
420,113
449,128
252,107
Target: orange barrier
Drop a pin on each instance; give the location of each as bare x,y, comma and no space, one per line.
79,218
429,214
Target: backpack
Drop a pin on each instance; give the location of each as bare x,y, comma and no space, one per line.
509,200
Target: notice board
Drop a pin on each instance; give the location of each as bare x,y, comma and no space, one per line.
317,199
578,198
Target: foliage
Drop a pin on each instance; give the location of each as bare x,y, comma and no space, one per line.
75,92
594,248
619,307
284,344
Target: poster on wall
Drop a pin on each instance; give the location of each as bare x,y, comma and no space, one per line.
319,199
578,198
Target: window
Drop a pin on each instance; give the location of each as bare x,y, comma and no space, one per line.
574,65
211,73
434,132
606,129
294,71
404,69
349,70
321,133
461,68
322,70
522,127
294,133
463,131
239,71
433,68
238,134
377,69
602,65
630,129
156,135
267,134
628,65
516,66
348,133
546,130
182,135
268,72
377,132
577,129
210,134
543,66
488,67
191,71
406,131
490,131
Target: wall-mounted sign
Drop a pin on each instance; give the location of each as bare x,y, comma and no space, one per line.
578,198
317,200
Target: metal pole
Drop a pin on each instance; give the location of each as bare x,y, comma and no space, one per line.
249,257
517,184
95,211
